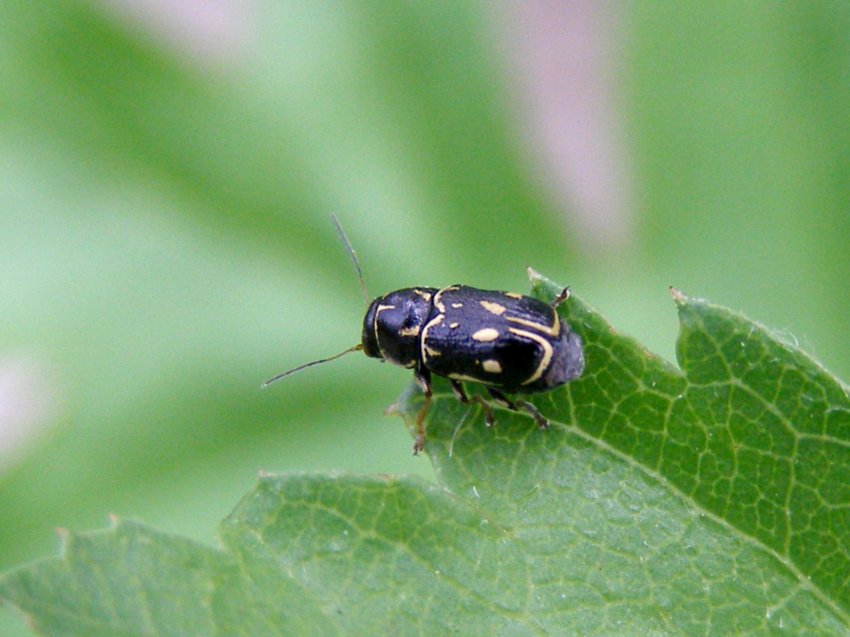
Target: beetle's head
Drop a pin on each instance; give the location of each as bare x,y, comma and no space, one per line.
393,323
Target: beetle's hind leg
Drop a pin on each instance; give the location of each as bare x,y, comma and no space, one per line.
462,396
563,296
519,405
423,379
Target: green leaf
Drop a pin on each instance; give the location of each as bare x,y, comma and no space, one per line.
131,580
712,500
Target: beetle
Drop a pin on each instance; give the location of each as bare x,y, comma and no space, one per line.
510,343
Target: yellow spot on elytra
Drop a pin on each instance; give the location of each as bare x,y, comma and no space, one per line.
485,335
492,366
409,331
454,325
457,305
423,294
513,295
493,308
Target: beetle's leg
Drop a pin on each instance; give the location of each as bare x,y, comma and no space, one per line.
539,418
423,378
563,296
462,397
517,405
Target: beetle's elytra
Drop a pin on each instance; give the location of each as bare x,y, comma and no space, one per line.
511,343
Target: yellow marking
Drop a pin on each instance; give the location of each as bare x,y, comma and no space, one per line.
486,335
493,308
409,331
513,295
378,311
457,305
427,351
424,295
547,353
454,325
464,377
492,366
553,330
438,303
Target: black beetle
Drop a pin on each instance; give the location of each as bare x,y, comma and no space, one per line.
511,343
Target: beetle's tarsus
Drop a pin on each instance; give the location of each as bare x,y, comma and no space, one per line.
419,444
563,296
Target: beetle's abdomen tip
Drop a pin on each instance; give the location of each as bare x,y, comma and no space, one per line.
568,362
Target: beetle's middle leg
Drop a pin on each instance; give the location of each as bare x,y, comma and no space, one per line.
519,405
462,396
423,379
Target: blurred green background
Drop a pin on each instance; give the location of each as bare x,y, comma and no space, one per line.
167,172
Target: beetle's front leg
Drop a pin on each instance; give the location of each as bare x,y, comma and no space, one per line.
423,378
462,397
517,405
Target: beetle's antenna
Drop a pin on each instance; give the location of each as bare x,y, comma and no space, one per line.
356,348
353,256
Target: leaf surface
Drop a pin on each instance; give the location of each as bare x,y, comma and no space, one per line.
711,500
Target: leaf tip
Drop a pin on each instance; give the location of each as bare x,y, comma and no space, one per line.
678,296
533,275
542,285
